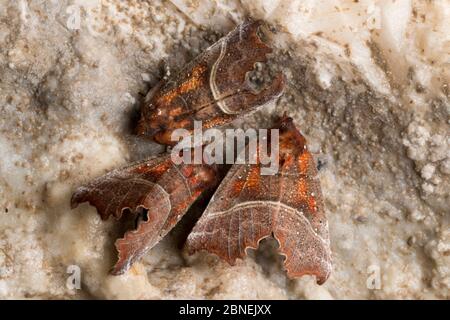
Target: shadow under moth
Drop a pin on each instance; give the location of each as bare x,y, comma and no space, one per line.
247,206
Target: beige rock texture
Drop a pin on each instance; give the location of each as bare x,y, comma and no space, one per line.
367,85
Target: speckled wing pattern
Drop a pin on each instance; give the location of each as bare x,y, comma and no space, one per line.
166,190
248,207
213,88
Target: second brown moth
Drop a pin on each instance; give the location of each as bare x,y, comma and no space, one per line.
247,206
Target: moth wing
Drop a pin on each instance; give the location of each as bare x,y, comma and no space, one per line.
248,207
124,188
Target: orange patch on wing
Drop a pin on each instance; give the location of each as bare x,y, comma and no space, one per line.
157,170
305,196
187,171
214,122
237,187
183,205
192,83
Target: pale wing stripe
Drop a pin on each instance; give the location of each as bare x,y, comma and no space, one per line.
264,204
186,184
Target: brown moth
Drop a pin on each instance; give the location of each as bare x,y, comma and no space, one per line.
248,207
158,185
213,88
